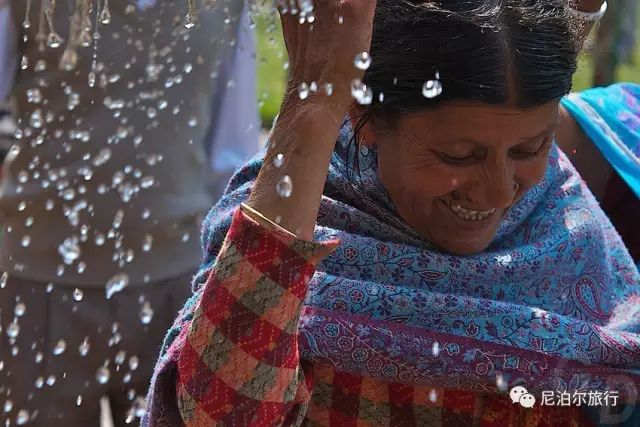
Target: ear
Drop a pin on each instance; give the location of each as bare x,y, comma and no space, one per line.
367,136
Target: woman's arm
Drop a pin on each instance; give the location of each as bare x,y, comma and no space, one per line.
237,358
306,130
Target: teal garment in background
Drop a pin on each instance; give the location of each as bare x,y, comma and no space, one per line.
610,116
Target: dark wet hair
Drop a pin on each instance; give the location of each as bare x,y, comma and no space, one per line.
517,52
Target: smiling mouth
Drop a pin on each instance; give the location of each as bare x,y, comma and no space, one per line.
468,214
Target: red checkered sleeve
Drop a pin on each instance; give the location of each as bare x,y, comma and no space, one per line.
239,362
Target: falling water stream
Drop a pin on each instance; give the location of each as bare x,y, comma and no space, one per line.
84,32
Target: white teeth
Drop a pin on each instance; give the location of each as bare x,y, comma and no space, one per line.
469,214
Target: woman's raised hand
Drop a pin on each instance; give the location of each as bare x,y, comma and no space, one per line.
323,51
306,130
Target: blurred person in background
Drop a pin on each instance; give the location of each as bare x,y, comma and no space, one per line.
614,40
122,113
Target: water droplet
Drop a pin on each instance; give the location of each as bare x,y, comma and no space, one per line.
23,417
26,241
361,92
79,400
130,9
147,181
34,96
278,160
39,357
116,284
60,347
147,242
328,89
187,68
433,395
36,119
435,349
432,89
51,380
3,279
120,357
303,91
501,383
69,250
84,347
102,375
8,405
54,40
41,65
381,97
77,294
99,240
19,309
146,313
69,59
69,194
24,63
193,122
92,79
285,187
133,363
362,61
102,157
190,20
105,15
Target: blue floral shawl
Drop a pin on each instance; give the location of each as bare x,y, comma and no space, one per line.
552,304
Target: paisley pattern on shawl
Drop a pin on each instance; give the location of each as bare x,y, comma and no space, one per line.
553,303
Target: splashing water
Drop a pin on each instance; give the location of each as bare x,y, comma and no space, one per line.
84,347
69,250
103,374
435,349
303,91
116,284
285,187
23,417
361,92
432,88
19,309
362,61
146,313
191,18
60,347
278,161
133,363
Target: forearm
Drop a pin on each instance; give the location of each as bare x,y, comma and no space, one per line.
305,136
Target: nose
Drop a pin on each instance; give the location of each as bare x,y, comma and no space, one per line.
497,188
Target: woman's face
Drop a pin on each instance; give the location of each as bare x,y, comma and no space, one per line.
454,172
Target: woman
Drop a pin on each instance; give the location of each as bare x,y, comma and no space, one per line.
459,252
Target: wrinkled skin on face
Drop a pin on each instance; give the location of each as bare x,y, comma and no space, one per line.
454,172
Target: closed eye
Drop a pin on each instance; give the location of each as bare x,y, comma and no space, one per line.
524,154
